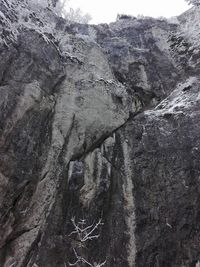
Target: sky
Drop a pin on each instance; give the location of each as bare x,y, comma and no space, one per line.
105,11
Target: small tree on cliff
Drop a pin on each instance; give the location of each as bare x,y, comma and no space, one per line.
62,8
193,2
69,13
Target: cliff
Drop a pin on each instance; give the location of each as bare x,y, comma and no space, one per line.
98,122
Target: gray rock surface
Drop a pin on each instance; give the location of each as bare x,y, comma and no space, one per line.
98,122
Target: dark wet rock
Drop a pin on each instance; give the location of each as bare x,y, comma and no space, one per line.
98,122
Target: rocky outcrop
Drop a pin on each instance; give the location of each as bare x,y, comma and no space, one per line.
98,123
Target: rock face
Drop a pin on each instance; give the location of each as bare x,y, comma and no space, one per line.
98,123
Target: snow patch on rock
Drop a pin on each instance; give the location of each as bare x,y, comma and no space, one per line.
181,99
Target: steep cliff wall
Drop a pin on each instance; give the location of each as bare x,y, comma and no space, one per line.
98,122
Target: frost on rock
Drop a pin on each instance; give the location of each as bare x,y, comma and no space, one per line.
190,25
181,99
17,15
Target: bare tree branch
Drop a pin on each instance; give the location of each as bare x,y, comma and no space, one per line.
81,259
85,233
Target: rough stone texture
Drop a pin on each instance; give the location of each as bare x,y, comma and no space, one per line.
98,122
